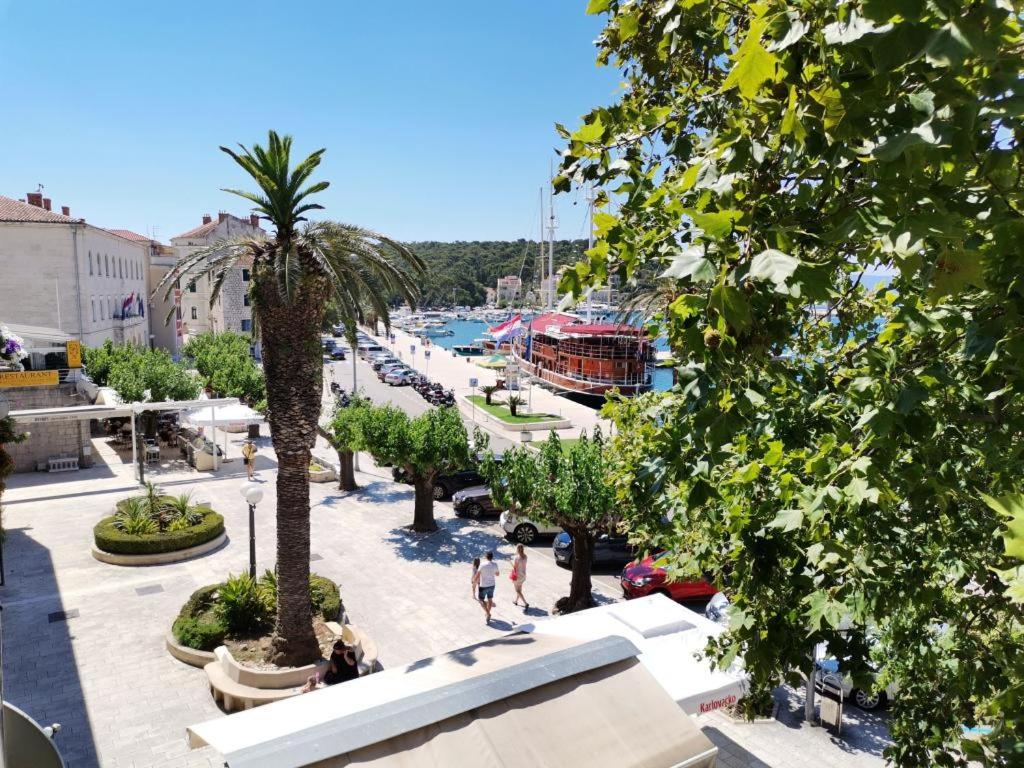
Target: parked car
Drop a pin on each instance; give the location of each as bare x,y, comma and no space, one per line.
384,370
399,378
524,530
648,577
865,698
380,362
445,485
608,550
475,502
337,353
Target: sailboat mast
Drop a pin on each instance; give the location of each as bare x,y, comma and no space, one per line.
540,243
590,237
551,242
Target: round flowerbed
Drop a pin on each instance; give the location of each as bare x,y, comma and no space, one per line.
148,528
240,613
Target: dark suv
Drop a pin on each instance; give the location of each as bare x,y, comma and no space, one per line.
445,485
475,502
608,550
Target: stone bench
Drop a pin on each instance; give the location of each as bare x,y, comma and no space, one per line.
239,687
62,463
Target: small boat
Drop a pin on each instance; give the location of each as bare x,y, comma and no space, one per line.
473,349
663,359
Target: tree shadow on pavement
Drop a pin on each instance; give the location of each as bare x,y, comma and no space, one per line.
451,543
862,732
382,491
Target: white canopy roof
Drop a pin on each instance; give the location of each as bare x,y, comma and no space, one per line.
233,413
668,636
515,702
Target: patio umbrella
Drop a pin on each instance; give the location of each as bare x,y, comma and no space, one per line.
222,416
494,361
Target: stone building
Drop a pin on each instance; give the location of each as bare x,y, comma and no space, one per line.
509,290
231,311
61,272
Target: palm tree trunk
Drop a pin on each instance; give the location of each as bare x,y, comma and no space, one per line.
294,373
423,515
580,589
346,471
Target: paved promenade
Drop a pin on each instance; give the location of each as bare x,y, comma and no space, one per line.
83,641
455,372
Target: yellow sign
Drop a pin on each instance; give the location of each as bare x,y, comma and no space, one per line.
74,354
10,379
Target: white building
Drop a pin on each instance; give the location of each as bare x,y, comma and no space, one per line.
59,272
231,311
509,290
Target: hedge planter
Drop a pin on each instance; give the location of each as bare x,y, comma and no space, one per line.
120,548
323,475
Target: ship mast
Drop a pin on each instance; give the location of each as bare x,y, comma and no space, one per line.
590,236
540,242
552,225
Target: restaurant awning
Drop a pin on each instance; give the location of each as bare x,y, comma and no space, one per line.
515,702
669,638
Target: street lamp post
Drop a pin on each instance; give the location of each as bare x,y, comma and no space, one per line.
253,494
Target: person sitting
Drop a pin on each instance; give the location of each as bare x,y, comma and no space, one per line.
341,667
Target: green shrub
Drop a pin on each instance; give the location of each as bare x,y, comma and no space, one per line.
243,606
110,539
325,596
200,601
198,634
132,518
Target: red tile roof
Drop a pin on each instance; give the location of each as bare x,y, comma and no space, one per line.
15,210
199,231
541,323
127,234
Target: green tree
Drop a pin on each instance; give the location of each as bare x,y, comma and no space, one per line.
225,363
434,443
149,375
488,391
826,452
570,488
296,271
345,434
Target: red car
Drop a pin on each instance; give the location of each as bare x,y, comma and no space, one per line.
648,577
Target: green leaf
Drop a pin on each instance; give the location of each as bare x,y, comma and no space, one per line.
788,519
948,47
732,304
628,26
716,224
773,265
597,6
692,264
858,490
590,133
854,28
753,66
1011,508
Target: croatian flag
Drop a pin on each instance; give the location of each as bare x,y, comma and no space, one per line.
507,330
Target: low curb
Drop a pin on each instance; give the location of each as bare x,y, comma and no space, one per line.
189,656
160,558
535,426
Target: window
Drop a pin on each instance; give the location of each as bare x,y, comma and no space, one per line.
120,268
247,325
93,300
106,263
195,315
90,269
245,300
192,287
102,316
245,275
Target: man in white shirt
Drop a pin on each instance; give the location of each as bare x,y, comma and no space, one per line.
486,579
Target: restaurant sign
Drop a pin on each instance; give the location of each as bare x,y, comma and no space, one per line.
74,350
9,379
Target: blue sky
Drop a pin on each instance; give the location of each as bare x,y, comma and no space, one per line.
437,117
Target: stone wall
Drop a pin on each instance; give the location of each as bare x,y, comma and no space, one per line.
48,439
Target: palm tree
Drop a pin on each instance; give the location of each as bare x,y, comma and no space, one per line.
489,390
296,270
